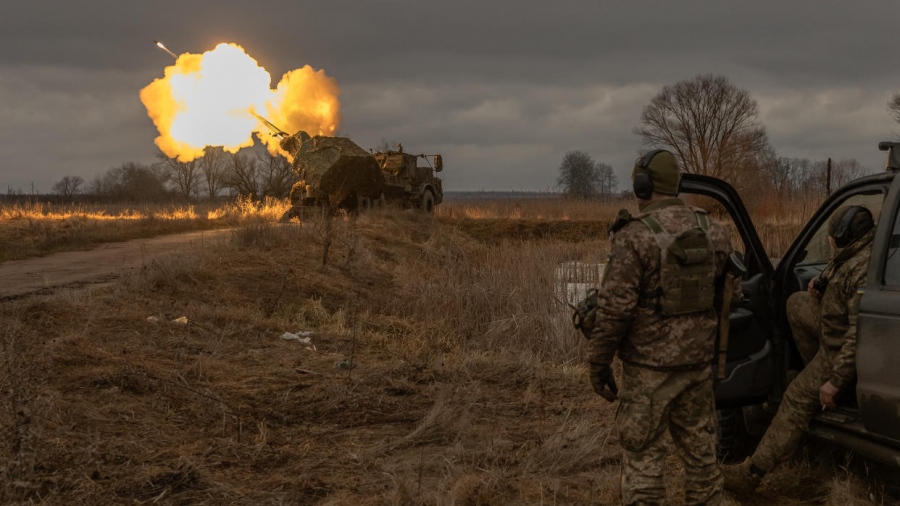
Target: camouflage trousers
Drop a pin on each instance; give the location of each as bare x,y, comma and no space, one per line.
803,314
799,404
652,401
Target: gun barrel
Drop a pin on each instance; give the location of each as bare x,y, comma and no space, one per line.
277,131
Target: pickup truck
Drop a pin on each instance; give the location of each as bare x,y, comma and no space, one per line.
761,351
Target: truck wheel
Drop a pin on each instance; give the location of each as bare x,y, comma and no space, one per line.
293,212
733,442
363,204
428,202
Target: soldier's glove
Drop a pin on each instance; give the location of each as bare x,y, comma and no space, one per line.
603,382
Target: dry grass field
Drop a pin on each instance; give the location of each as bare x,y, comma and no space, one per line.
37,228
441,369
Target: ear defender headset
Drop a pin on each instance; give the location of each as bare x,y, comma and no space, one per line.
643,182
842,234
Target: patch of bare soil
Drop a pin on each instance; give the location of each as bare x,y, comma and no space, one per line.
104,263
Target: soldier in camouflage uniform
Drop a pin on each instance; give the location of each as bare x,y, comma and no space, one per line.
667,381
833,367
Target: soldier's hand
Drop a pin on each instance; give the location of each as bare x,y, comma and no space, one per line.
603,382
811,288
826,395
587,324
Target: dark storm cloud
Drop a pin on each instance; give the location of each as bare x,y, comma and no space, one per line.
502,89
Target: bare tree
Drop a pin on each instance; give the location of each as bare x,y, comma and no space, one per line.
894,107
845,170
607,181
581,177
781,175
132,182
243,176
754,177
276,175
791,177
710,125
184,176
842,172
213,166
68,186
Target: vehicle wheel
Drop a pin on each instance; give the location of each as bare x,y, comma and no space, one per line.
733,443
363,204
293,212
428,202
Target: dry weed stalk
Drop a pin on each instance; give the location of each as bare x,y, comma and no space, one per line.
351,242
324,227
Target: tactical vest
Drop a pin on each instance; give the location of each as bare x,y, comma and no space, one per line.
687,268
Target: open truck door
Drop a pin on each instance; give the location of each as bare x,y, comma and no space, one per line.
761,349
752,349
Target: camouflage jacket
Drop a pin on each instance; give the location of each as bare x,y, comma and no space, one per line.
846,275
640,334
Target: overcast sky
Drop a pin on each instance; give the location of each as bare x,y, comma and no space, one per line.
502,89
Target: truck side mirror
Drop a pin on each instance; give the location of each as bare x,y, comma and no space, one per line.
893,159
438,163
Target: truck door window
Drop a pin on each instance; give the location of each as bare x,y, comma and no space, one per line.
892,264
818,251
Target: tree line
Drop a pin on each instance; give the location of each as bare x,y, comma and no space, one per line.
713,128
247,174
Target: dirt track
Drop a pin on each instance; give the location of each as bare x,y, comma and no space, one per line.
97,266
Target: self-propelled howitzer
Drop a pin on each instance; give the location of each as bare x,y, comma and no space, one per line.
336,172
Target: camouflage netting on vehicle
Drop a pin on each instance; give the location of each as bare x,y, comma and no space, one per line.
335,165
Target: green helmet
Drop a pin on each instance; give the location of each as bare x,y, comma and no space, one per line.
661,169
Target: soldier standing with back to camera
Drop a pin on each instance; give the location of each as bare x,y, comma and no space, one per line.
656,309
834,299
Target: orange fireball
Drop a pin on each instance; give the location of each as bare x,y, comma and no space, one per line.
210,100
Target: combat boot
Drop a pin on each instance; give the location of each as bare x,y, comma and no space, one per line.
740,479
